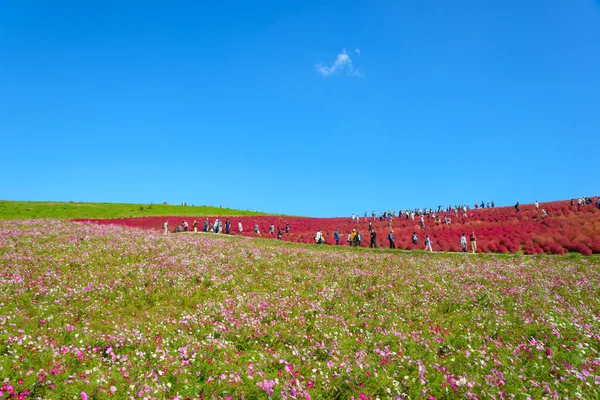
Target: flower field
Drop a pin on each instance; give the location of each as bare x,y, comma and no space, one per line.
498,230
95,311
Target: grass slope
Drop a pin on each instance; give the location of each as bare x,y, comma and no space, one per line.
70,210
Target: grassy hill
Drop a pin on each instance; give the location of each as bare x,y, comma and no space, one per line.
69,210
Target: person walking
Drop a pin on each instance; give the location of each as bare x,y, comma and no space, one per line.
428,244
463,243
228,226
352,238
391,240
185,225
415,238
537,206
373,243
518,207
319,237
166,227
473,240
279,233
240,228
195,226
358,239
206,225
256,230
336,236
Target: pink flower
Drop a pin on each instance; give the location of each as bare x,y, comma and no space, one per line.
113,389
84,396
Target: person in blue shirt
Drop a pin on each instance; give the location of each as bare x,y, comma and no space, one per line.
428,244
206,225
336,236
391,239
227,226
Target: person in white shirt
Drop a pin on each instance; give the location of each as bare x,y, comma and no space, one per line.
240,226
319,237
463,243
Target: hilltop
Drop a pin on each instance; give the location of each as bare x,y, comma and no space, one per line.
73,210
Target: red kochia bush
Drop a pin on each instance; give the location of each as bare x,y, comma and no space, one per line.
499,229
595,246
583,249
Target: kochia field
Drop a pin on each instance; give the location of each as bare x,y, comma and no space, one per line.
90,311
498,230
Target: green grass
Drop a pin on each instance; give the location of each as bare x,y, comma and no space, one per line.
71,210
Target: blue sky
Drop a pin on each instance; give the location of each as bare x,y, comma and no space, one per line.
306,108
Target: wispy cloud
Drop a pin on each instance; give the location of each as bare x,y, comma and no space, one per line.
342,63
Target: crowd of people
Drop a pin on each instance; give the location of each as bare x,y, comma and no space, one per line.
355,238
427,212
217,227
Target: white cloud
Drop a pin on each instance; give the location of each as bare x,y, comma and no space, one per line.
357,51
341,63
